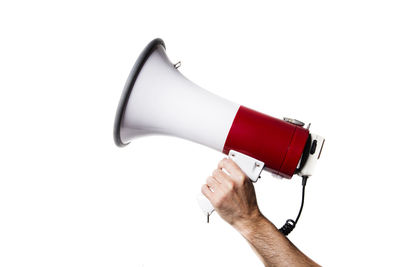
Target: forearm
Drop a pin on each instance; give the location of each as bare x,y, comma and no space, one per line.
234,199
273,248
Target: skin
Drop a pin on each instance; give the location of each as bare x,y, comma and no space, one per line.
233,197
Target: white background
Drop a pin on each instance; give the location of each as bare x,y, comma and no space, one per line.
70,197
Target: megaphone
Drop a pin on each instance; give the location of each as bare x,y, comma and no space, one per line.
158,99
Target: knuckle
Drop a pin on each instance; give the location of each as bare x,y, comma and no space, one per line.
230,185
231,163
209,180
229,160
223,161
240,181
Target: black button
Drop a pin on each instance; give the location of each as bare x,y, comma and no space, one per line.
313,147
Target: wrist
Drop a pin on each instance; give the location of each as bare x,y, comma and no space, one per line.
252,229
250,223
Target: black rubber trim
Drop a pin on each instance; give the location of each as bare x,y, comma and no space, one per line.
306,153
130,82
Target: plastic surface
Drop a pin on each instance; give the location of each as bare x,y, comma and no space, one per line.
317,142
277,143
250,166
130,83
163,101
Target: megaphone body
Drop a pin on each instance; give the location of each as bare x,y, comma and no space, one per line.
158,99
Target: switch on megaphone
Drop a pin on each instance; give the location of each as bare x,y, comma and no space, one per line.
158,99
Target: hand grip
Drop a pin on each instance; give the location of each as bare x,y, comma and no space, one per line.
250,166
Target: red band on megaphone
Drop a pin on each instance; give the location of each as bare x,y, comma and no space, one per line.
277,143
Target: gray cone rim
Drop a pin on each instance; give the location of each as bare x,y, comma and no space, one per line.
130,83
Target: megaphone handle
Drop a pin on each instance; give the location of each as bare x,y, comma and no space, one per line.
250,166
205,205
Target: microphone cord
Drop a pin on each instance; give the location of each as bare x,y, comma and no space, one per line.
291,224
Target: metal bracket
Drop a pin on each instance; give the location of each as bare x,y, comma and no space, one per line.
250,166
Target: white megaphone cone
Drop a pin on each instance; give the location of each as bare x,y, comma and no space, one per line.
163,101
158,99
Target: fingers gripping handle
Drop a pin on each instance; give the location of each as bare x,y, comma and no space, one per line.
250,166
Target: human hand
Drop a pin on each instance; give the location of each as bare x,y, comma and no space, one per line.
232,194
